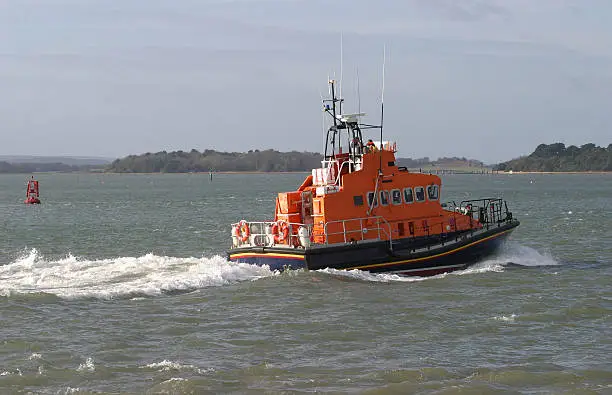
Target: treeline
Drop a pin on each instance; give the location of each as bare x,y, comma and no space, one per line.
254,160
558,157
456,161
210,160
414,163
443,162
6,167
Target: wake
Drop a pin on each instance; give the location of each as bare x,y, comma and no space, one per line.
152,275
147,275
512,254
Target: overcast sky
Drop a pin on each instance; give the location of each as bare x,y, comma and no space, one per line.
485,79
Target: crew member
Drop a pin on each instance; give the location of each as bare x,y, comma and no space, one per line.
371,147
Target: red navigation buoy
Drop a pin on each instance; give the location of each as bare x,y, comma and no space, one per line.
32,193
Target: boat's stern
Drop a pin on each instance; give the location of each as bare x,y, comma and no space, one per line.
275,259
279,245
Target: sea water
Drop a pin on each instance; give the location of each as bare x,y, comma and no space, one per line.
119,283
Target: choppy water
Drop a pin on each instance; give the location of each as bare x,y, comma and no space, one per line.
118,283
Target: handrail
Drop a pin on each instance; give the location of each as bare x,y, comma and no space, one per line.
382,225
483,213
351,160
260,234
487,211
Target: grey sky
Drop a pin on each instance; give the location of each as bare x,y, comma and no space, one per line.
486,79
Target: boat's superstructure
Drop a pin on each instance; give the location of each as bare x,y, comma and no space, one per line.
360,210
32,192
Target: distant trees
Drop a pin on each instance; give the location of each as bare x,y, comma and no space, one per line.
254,160
549,158
195,161
6,167
414,163
443,162
557,157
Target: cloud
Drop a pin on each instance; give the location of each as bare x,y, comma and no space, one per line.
238,75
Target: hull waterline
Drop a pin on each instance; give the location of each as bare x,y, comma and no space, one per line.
455,253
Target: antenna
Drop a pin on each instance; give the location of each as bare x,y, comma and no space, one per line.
382,106
382,95
323,114
358,94
340,84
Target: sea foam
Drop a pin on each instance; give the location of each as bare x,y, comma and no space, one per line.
148,275
511,253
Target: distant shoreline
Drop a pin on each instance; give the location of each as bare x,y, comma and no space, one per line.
450,172
554,172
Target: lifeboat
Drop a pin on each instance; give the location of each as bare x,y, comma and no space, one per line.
32,192
360,210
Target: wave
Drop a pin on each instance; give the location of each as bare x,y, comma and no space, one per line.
512,254
375,277
151,275
147,275
167,365
520,255
87,366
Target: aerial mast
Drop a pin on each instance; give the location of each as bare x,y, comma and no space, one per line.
382,107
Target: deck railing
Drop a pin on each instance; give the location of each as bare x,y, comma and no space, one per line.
356,229
260,234
488,211
482,213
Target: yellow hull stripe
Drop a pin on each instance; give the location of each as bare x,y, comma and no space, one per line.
265,255
431,256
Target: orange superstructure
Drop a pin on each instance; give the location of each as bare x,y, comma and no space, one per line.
408,202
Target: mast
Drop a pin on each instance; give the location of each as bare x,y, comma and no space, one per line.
341,68
382,109
331,132
358,93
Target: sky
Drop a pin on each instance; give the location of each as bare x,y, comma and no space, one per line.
484,79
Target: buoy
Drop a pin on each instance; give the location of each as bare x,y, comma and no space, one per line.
32,192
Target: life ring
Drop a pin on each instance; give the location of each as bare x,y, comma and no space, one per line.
280,230
242,231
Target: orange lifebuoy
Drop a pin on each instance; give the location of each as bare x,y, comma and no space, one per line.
242,231
280,230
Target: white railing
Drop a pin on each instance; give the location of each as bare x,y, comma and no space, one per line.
260,234
354,233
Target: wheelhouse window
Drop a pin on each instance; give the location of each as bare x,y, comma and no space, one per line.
419,194
396,196
358,200
432,192
372,198
384,198
408,196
